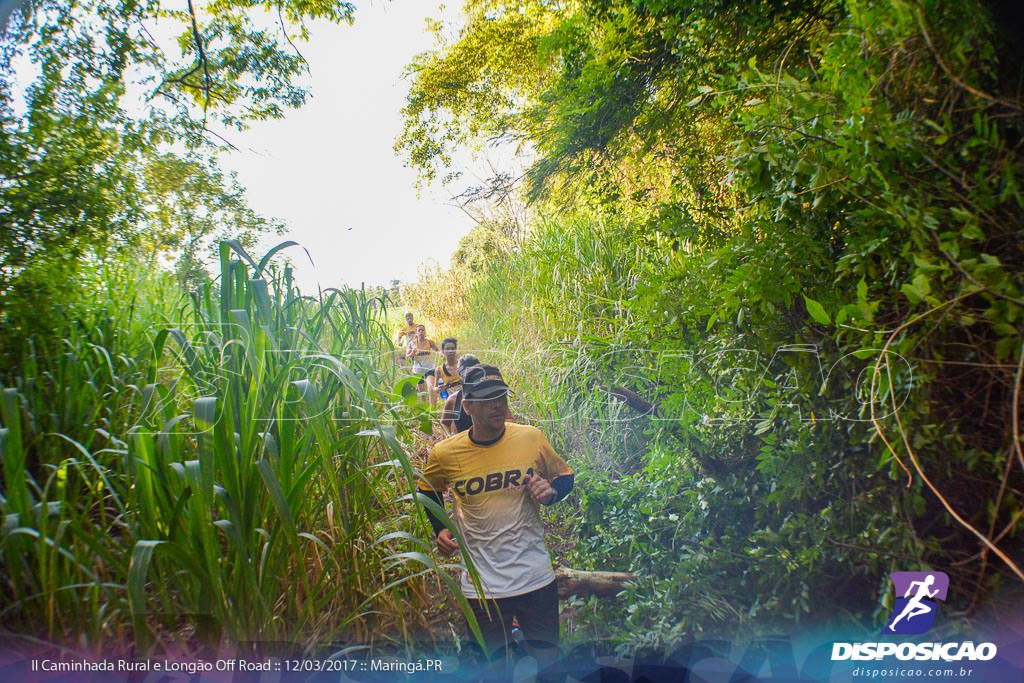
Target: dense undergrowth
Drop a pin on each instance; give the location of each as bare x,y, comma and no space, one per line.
769,306
185,469
792,232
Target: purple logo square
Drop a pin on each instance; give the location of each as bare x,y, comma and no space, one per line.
915,605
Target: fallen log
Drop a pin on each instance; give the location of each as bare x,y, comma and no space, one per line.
583,583
634,400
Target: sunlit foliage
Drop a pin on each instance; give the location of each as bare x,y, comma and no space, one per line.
794,228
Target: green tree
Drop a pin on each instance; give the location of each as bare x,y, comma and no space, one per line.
110,114
839,176
190,206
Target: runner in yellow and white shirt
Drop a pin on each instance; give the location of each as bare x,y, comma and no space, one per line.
405,334
421,350
447,379
500,473
402,338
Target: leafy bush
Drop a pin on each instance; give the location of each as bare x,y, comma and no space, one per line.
220,463
795,230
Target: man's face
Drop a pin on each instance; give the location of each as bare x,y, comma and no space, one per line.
450,353
421,332
488,414
408,318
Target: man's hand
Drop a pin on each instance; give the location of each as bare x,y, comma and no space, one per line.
446,542
540,488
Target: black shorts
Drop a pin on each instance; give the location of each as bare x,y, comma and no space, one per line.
536,613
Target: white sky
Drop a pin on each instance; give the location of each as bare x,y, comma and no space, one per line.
328,169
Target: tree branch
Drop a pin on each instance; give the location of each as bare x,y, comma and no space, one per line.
884,357
202,55
1016,409
954,78
284,30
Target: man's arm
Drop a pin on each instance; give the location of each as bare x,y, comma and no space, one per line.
562,485
548,493
433,485
551,465
448,414
434,520
443,537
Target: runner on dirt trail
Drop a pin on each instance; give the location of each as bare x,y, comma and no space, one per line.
446,375
405,334
500,473
453,418
402,338
421,350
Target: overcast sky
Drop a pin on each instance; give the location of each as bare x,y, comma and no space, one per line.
328,169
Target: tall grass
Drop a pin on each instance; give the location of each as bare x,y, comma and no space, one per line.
553,316
222,464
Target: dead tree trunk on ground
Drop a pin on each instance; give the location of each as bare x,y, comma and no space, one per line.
581,583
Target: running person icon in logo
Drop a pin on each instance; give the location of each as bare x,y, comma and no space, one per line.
915,607
915,611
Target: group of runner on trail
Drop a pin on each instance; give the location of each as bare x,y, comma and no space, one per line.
499,473
442,381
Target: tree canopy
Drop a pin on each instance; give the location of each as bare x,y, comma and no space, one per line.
111,119
794,227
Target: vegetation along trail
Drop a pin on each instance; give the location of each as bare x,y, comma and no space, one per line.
755,270
762,280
